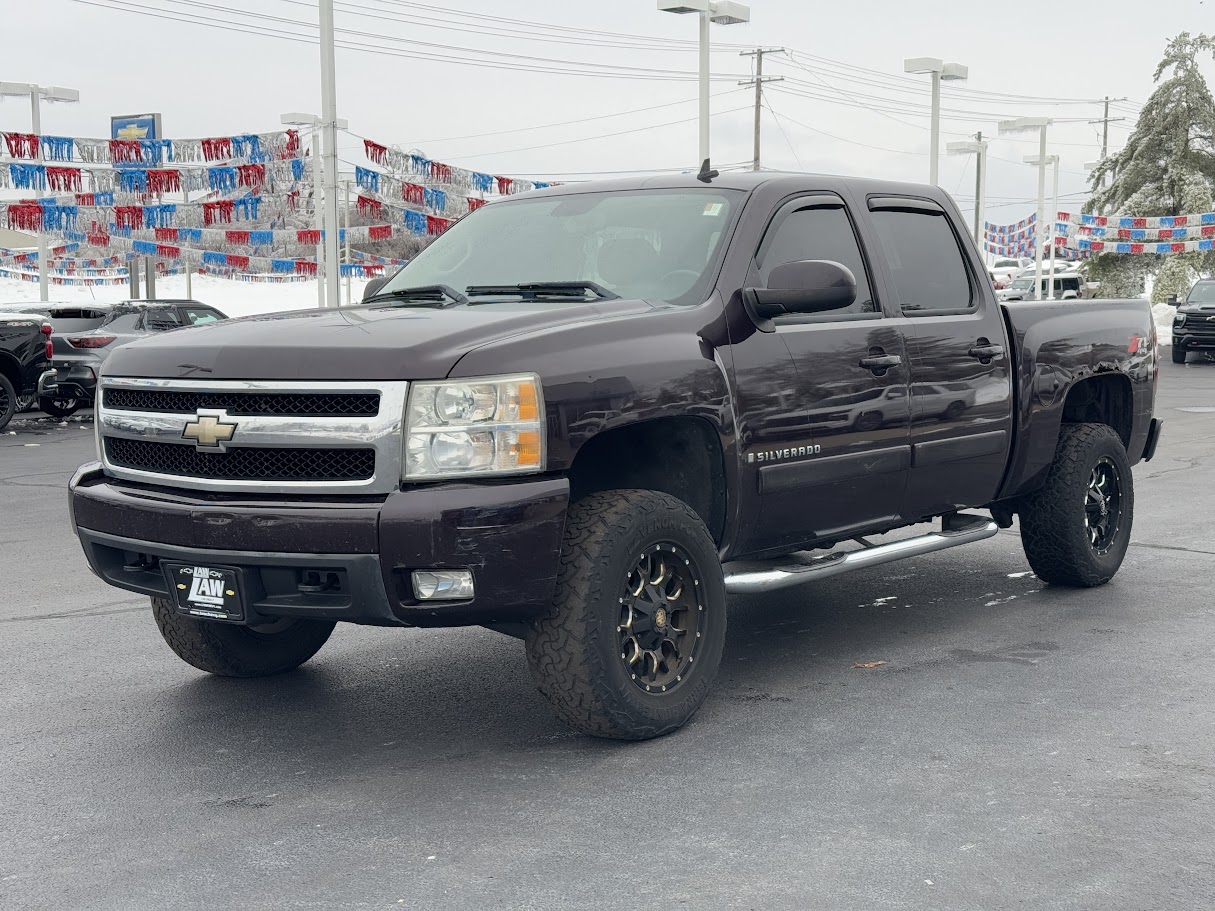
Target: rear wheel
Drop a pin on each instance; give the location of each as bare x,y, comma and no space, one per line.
240,651
1077,527
8,401
1178,354
868,422
58,406
635,636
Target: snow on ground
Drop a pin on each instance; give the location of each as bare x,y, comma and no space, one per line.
234,298
1163,314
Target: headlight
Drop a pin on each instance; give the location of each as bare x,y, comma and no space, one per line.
1179,321
489,426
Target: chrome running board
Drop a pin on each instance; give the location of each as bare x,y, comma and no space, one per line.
749,577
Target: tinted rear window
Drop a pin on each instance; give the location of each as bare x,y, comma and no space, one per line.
925,260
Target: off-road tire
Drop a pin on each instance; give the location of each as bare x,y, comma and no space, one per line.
229,650
1179,354
58,407
574,651
8,401
1053,530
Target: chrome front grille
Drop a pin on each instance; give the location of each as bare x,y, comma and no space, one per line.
253,435
296,404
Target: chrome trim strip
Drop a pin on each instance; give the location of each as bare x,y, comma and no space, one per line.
382,432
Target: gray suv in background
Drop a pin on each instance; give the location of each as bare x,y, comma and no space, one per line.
83,337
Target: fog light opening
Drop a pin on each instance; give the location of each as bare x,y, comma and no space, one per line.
442,584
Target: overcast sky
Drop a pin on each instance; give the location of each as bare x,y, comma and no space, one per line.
216,81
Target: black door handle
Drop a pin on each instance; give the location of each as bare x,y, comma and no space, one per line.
986,352
881,362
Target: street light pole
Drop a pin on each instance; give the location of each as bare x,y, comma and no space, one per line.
1028,125
329,125
939,70
39,93
979,149
311,120
721,12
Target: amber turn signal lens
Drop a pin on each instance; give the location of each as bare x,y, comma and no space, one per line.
528,409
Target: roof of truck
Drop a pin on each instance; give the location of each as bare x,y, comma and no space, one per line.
739,180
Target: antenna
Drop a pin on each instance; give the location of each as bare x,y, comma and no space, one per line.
706,173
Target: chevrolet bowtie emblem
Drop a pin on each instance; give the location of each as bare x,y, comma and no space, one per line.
208,431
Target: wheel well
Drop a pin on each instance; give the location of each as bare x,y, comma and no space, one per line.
11,369
1102,400
681,456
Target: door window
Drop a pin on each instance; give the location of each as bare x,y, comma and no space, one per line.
161,320
820,233
200,316
925,260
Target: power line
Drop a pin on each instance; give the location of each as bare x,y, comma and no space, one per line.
781,126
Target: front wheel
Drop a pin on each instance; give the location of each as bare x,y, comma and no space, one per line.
240,651
1077,527
635,635
1178,354
8,401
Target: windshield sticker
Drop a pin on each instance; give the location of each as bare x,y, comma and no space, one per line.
713,209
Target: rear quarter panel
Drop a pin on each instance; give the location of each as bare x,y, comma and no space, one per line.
1060,344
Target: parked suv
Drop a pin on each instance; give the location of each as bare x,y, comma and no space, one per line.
83,337
23,350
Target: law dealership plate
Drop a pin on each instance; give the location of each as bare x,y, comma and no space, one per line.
210,592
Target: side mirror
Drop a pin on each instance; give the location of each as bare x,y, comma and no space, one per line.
374,286
805,286
1173,302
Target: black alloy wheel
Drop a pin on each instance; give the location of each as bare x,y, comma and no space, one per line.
1103,505
660,619
8,401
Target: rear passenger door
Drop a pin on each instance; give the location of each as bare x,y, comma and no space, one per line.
852,379
961,391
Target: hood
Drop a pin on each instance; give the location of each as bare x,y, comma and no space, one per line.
1204,308
374,342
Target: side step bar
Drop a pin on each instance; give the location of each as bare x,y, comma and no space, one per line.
765,577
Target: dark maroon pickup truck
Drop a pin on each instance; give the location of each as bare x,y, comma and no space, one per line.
585,415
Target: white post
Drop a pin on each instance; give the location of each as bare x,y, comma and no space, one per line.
347,255
1041,232
329,125
319,212
43,247
1054,214
185,263
704,87
934,141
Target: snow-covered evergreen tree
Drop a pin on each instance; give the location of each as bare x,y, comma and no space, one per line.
1167,167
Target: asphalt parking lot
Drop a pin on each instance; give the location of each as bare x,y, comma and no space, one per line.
1021,746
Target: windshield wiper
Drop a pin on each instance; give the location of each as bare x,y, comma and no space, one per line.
531,291
443,295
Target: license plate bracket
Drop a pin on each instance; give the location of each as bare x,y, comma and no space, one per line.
206,592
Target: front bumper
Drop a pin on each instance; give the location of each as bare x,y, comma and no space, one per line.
74,381
1192,342
366,548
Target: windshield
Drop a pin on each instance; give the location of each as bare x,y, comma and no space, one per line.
1202,293
1022,284
647,244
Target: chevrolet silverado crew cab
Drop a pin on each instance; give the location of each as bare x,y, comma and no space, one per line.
585,415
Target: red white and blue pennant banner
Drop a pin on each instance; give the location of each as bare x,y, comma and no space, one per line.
253,147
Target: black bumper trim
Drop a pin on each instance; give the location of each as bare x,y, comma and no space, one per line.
272,578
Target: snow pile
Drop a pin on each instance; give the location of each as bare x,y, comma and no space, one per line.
232,297
1163,315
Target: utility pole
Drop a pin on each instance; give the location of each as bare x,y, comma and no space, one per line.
1105,122
185,262
758,81
980,165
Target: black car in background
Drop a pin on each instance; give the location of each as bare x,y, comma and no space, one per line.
1194,324
23,358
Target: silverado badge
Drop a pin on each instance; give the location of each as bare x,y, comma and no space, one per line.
209,431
